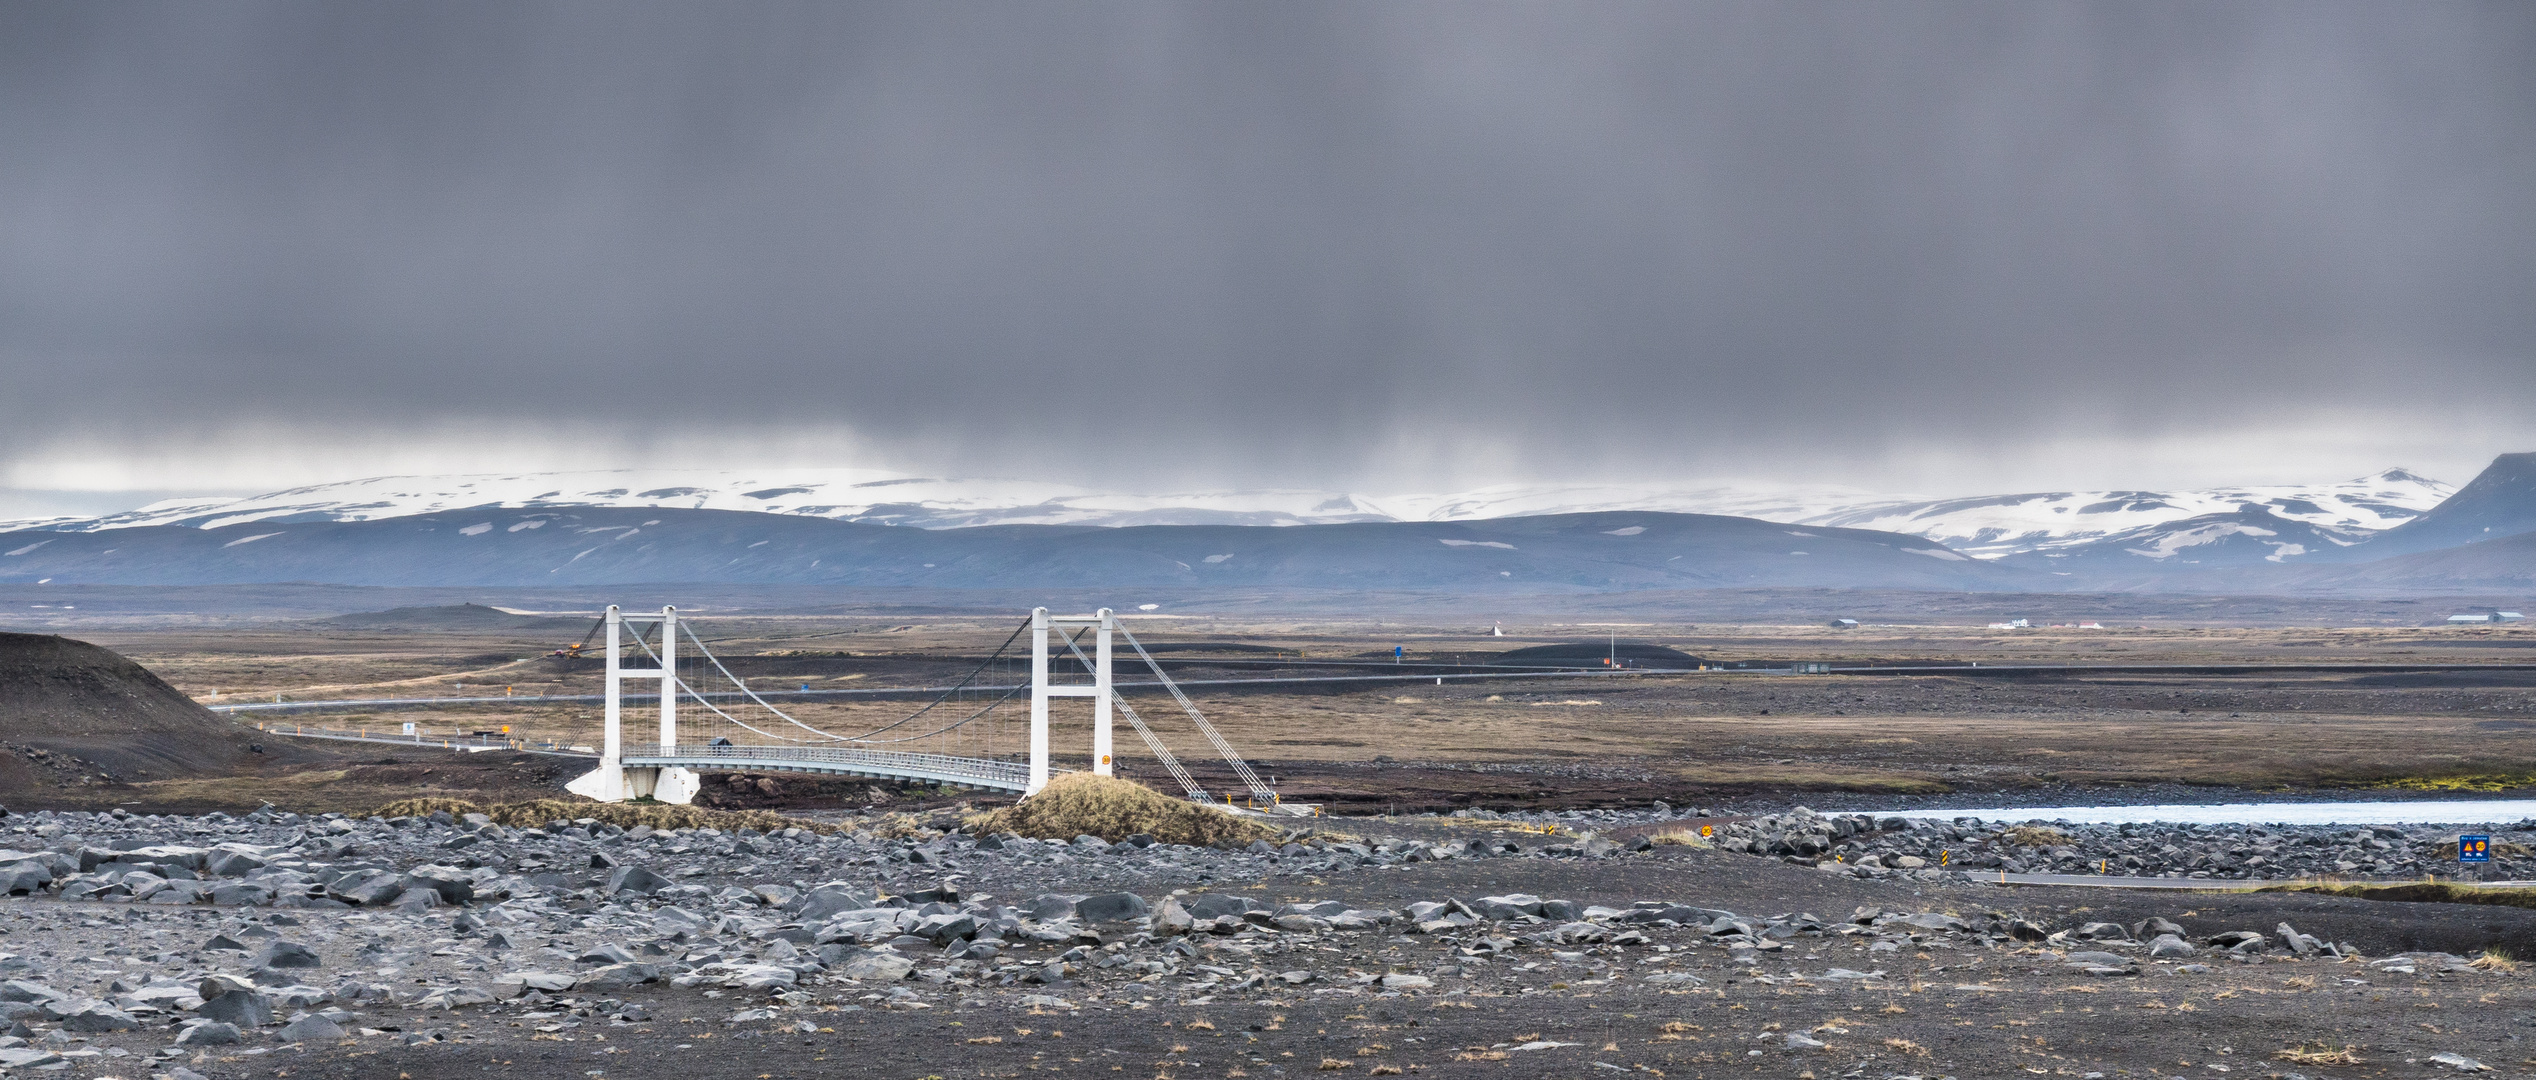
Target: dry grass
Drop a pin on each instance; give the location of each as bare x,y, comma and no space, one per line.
426,806
2427,892
1679,838
2034,836
2320,1054
1898,739
1085,804
2495,960
624,815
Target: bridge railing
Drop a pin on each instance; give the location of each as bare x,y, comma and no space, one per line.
450,740
891,762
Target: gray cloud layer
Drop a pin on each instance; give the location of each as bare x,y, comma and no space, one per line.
1273,241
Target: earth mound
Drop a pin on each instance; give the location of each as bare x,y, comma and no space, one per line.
1592,654
75,714
451,617
1087,804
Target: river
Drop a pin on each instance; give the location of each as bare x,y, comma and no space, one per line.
2400,812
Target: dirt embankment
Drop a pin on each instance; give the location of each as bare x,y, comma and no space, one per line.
75,718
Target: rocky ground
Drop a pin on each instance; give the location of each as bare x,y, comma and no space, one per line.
1870,846
280,945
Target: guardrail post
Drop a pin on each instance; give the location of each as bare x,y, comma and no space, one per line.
668,678
1102,689
1038,701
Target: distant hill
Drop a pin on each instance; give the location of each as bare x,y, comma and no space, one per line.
2507,565
72,712
2500,502
491,546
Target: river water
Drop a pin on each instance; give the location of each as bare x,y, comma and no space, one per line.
2406,812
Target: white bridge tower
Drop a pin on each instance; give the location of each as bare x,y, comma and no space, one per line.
1102,691
612,781
665,770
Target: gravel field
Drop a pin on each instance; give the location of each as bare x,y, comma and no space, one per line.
280,945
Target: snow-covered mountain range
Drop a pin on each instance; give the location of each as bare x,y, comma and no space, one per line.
2159,525
2045,523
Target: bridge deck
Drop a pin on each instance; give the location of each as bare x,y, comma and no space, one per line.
987,774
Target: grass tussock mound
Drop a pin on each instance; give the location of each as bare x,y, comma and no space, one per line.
2426,892
2034,836
1084,804
624,815
426,807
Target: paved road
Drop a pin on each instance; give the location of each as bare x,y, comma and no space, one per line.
886,693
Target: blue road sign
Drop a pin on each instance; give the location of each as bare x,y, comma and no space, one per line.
2474,849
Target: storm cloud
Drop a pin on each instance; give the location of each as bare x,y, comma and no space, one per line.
1298,243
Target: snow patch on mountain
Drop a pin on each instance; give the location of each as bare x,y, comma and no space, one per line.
2050,521
1986,527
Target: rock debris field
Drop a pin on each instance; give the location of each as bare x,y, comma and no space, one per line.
280,945
1872,847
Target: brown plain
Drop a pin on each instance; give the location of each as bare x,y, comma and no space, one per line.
1562,741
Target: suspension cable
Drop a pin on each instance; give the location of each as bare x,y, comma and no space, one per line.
752,694
946,695
1152,741
1241,768
866,737
700,698
990,707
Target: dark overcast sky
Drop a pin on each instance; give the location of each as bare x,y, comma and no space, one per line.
1945,246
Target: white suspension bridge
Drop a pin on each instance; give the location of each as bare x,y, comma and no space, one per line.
943,742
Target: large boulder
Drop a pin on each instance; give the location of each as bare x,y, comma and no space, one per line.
1049,907
310,1028
1111,907
452,884
245,1008
877,967
278,953
829,899
96,1016
209,1033
634,879
617,977
1508,906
